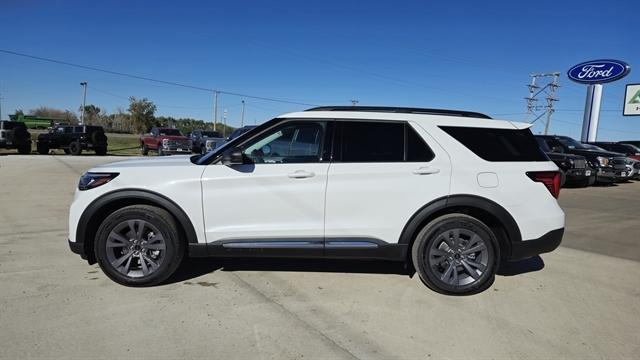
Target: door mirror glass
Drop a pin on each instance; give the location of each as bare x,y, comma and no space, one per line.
233,157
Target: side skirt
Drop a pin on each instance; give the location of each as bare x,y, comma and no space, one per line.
332,248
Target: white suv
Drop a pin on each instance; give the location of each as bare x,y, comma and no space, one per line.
451,193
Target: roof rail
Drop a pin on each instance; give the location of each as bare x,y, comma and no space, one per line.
402,110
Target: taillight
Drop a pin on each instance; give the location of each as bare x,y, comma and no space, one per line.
550,179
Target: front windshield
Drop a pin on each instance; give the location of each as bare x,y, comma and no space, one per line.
572,144
170,132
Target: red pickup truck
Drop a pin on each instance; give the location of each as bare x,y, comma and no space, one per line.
165,141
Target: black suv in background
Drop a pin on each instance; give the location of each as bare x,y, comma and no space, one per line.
73,139
609,166
14,135
574,168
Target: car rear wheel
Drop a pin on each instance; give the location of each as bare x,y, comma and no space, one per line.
144,149
101,150
139,245
25,148
456,254
43,149
75,148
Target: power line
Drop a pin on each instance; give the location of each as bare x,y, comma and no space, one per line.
172,83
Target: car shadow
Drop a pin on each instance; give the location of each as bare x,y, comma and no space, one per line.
512,268
195,267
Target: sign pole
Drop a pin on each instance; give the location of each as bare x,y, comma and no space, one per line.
591,113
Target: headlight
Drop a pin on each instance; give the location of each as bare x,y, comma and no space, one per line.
93,180
165,142
603,161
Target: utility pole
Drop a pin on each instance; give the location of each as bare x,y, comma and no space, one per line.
224,119
215,109
242,115
84,101
0,100
549,89
354,102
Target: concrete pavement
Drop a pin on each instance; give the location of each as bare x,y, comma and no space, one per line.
571,304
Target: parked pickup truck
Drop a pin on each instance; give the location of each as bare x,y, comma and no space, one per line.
205,141
165,141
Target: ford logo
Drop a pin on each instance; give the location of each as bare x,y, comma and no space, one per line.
598,71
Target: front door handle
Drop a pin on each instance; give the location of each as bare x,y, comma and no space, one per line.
301,174
426,171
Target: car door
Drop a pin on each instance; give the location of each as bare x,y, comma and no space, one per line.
275,200
382,173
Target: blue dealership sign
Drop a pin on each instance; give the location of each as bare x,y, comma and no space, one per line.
598,71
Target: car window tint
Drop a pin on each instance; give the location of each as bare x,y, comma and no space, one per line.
290,143
498,144
417,149
371,141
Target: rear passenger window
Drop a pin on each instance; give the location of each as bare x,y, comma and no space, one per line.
498,144
417,149
372,142
361,141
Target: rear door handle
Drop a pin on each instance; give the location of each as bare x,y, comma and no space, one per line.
426,171
301,174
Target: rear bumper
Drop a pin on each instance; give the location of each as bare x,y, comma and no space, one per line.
529,248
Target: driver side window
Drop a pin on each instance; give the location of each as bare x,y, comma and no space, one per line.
300,142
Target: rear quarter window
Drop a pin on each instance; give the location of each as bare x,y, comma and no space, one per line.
498,144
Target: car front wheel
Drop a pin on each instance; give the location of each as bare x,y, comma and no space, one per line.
456,254
139,245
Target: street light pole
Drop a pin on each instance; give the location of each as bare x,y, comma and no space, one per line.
84,101
215,109
224,120
242,115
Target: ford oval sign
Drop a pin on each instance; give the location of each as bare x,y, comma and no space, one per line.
599,71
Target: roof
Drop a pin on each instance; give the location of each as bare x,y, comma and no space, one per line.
424,116
402,110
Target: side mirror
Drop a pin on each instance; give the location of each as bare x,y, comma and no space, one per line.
233,157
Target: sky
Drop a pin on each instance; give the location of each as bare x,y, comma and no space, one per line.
465,55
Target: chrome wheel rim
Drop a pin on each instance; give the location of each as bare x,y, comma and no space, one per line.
135,248
458,257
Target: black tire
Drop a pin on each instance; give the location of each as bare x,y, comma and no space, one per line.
167,260
160,152
144,149
43,149
438,237
101,150
583,182
25,149
592,180
75,148
98,138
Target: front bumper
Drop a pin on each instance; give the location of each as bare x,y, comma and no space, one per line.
529,248
186,150
77,248
579,174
